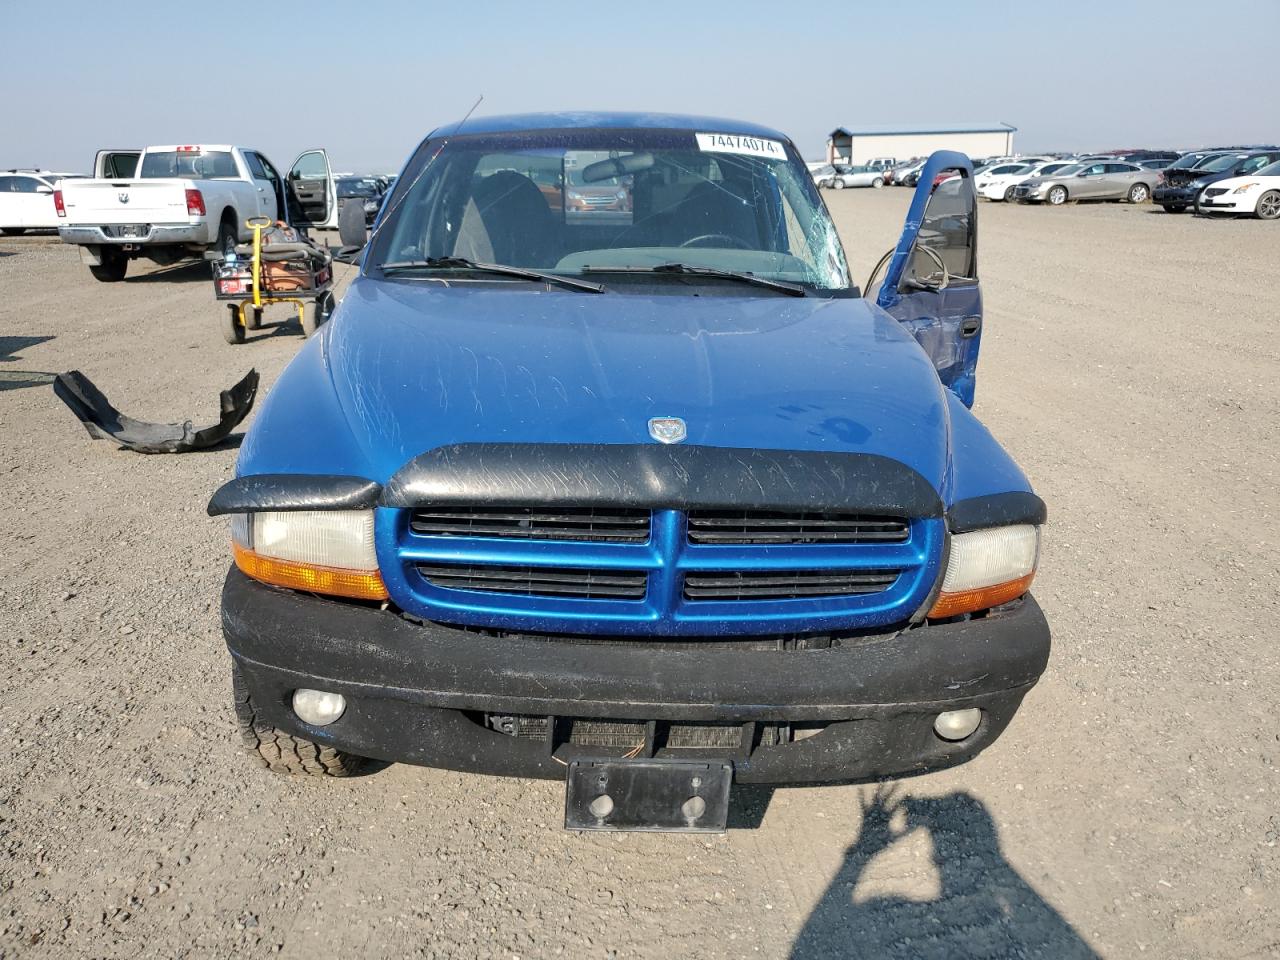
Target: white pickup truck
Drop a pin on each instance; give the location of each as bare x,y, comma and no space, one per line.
187,200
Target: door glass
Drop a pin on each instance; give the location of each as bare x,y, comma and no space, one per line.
255,166
25,184
946,238
309,166
6,184
120,166
268,169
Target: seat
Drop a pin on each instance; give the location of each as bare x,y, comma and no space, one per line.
513,215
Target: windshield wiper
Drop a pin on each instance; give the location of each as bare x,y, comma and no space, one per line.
688,269
433,263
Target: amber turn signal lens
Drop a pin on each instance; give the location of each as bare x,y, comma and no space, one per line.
981,598
357,584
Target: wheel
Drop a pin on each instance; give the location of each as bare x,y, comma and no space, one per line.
285,752
232,329
1174,207
1008,195
352,228
837,184
13,231
317,313
227,238
1057,196
877,183
1139,193
112,269
253,318
1268,207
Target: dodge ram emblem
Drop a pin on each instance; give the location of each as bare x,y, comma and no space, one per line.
668,429
122,197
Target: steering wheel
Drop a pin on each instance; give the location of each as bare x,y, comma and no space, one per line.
731,240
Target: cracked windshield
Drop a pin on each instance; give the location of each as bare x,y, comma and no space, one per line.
612,202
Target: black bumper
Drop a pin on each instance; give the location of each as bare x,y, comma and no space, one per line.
1171,195
426,693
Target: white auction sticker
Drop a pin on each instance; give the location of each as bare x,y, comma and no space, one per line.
735,143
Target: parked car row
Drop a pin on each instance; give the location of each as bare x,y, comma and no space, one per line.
840,176
1233,181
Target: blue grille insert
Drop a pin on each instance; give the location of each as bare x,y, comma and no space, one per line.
667,585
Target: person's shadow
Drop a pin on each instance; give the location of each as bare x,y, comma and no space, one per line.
985,909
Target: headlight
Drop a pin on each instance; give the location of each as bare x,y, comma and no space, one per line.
323,551
1245,187
987,568
574,195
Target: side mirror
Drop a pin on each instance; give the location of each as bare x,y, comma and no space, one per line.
47,191
1083,173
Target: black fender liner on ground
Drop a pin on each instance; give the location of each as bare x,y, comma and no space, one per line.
105,422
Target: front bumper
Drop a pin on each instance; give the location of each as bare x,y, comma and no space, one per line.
156,233
429,693
1185,195
1226,204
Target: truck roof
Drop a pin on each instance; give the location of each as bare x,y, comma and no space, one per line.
192,147
609,120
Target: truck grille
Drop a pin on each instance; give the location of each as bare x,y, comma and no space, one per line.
764,527
709,573
537,581
786,584
583,524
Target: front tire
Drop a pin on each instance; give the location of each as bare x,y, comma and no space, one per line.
317,313
283,752
112,269
877,183
1057,196
1268,207
837,184
1139,193
1008,195
1174,207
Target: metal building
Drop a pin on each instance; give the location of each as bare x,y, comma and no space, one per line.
859,145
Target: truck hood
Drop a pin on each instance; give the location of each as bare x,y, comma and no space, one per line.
418,365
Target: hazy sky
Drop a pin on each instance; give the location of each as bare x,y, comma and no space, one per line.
368,80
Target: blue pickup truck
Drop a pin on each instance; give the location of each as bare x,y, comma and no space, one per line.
651,499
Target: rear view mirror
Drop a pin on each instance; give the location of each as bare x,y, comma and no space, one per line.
616,167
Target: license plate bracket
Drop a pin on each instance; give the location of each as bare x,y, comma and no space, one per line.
656,796
130,231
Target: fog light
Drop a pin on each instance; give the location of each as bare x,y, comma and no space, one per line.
318,707
957,724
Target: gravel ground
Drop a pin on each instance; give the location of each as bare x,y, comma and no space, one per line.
1130,364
